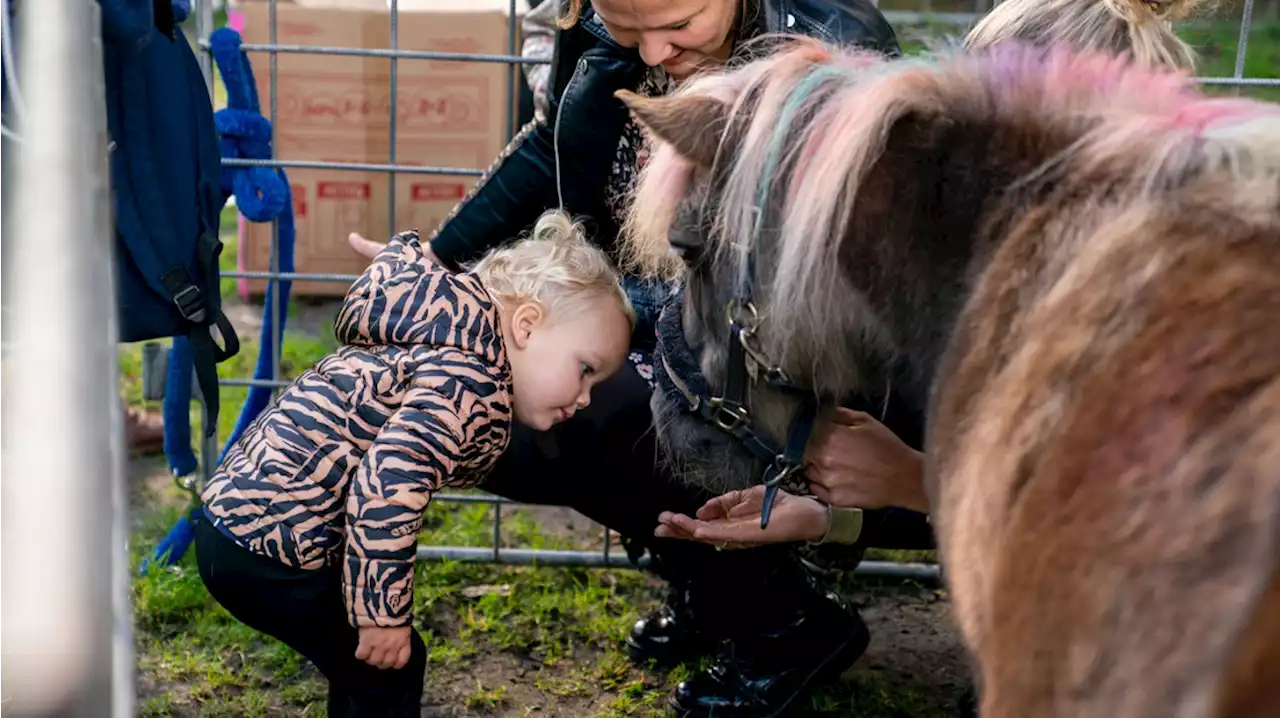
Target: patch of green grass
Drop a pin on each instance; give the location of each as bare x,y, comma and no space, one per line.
487,698
204,662
636,698
298,353
157,706
901,555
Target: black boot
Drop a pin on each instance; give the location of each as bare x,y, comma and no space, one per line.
792,637
670,635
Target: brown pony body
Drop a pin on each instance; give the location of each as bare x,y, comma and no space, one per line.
1078,262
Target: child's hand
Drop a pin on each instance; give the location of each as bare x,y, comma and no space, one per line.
384,647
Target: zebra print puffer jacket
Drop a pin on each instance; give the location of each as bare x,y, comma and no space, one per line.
342,465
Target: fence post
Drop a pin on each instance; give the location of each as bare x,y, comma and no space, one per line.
67,642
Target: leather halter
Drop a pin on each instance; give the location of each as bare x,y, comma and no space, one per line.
730,411
680,377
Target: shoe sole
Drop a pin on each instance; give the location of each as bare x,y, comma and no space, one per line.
839,661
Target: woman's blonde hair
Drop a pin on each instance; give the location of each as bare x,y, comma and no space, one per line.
1143,28
554,266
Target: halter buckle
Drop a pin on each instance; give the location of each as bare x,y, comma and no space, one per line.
737,414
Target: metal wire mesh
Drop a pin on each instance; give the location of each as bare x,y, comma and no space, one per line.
497,553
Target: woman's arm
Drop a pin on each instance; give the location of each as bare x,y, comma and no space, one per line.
518,187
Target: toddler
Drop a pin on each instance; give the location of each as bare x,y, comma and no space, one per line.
313,515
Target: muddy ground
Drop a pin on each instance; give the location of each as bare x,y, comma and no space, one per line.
915,665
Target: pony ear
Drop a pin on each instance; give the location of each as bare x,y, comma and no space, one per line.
692,124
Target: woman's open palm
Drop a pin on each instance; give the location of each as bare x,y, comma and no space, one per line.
732,520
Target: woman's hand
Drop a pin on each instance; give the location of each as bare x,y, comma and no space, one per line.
366,248
733,520
855,461
369,249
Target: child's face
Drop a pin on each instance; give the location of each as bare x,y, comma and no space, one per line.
556,361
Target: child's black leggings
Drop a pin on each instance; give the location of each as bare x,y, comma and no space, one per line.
305,610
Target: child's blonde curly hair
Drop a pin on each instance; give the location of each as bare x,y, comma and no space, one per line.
554,266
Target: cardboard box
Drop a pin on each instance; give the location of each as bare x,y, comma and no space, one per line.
335,108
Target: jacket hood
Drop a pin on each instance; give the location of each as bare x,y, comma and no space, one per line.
405,299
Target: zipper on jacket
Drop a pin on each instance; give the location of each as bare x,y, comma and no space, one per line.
555,132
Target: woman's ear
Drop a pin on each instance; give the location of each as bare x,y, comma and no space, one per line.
524,321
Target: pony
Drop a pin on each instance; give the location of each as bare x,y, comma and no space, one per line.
1072,264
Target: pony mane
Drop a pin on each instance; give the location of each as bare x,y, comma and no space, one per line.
807,124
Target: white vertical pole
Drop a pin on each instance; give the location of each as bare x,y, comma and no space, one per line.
67,649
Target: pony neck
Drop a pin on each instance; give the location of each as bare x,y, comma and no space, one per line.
924,233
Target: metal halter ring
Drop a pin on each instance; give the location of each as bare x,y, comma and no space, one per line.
731,315
784,468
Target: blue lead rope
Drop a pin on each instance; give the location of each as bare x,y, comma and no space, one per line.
262,195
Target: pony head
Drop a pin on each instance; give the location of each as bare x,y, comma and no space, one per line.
714,190
862,187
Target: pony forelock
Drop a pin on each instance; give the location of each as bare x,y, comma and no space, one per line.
661,187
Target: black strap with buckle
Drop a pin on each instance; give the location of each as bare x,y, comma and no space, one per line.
196,308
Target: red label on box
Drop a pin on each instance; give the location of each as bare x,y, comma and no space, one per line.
343,190
435,191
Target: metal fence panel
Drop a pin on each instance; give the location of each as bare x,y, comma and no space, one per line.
495,553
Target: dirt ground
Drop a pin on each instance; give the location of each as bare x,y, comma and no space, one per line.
914,652
914,666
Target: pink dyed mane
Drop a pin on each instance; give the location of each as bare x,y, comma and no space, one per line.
808,122
1013,80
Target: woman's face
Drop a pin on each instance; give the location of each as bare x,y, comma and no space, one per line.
680,35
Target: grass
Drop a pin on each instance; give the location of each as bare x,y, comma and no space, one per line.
195,658
564,626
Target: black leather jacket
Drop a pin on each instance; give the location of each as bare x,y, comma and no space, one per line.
586,121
